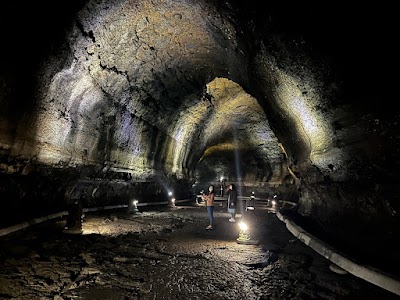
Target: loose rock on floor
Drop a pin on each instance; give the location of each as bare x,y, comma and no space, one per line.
168,254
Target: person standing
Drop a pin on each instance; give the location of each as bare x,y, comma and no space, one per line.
232,201
209,198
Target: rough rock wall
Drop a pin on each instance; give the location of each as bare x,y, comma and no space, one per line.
326,104
121,100
130,72
118,97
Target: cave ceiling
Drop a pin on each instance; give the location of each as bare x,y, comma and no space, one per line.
143,85
175,87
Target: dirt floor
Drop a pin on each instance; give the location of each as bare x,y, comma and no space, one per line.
168,254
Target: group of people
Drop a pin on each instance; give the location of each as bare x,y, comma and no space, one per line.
231,204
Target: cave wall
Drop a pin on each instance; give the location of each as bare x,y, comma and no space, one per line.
128,99
327,102
115,97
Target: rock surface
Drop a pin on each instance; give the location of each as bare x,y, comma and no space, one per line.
168,254
122,99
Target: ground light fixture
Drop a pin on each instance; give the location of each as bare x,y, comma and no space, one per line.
171,203
274,203
75,218
251,201
135,208
171,200
244,235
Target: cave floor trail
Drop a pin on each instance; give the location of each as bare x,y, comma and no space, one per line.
168,254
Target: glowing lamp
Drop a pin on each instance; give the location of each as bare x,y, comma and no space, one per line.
132,207
243,226
222,186
244,235
171,203
250,203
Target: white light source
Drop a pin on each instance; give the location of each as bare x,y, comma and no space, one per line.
133,207
244,236
275,204
169,193
250,203
171,203
243,226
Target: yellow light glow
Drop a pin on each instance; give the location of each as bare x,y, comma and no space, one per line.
243,226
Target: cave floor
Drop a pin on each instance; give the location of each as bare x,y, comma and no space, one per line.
168,254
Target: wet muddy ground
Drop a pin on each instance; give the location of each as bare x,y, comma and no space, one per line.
168,254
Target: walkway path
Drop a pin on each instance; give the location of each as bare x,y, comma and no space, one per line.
169,255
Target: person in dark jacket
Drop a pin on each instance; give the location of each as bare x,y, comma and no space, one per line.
232,201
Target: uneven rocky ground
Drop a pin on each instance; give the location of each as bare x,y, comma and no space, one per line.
168,254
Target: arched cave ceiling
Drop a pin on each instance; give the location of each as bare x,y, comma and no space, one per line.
132,90
196,89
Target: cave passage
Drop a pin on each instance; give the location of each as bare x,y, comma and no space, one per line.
108,103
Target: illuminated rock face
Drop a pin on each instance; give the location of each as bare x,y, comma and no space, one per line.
124,99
